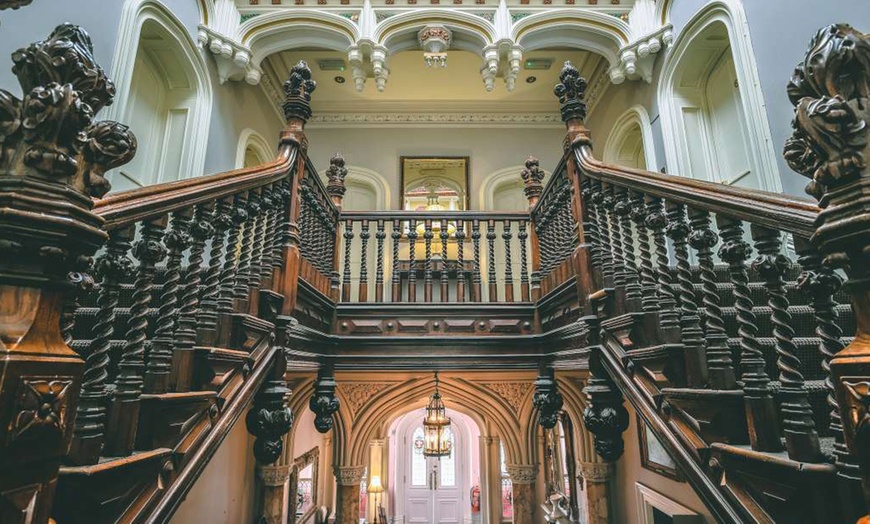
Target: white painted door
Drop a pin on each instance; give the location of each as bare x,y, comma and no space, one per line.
433,486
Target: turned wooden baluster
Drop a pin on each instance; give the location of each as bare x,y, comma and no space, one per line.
239,216
181,376
622,209
345,278
669,317
690,322
159,364
609,203
475,276
507,235
491,278
363,289
761,415
606,251
124,412
336,189
590,223
460,261
396,277
703,239
207,315
639,212
801,438
412,260
258,249
273,241
522,236
445,283
427,269
246,256
380,235
306,219
113,267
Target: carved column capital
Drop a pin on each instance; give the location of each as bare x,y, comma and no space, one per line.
274,475
522,473
596,471
348,475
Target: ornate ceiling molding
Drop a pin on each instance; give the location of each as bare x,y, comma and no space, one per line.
514,393
345,120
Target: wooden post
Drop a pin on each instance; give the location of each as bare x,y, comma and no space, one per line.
533,186
53,162
336,189
831,145
297,111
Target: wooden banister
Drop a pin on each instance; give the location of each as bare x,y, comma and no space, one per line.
779,211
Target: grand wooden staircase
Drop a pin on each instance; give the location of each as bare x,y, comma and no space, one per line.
717,312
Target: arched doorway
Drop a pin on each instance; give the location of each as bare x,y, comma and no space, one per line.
434,490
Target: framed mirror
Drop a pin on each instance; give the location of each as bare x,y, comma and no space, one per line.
434,183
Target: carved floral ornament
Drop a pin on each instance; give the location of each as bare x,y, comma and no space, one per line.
349,475
514,393
522,474
570,91
358,394
50,133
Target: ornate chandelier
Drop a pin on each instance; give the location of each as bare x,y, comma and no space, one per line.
434,426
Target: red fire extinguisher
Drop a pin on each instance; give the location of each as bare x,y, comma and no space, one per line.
475,499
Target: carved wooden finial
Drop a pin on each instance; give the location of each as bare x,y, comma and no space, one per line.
533,180
297,93
335,175
570,91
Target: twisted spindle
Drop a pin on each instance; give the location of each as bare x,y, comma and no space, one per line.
490,250
380,235
523,236
460,261
207,315
622,209
364,235
638,215
609,204
590,224
160,356
124,414
801,438
669,318
243,278
412,261
758,397
475,276
238,215
427,271
605,253
445,283
345,277
112,268
507,235
396,278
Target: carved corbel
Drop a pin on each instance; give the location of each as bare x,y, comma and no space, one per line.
547,399
270,418
830,145
323,402
53,158
605,416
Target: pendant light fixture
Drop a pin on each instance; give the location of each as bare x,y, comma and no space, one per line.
434,426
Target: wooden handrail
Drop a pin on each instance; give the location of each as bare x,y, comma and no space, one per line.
128,207
777,211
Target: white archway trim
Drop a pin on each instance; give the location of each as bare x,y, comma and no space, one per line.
286,29
636,115
134,15
454,19
486,193
762,155
250,138
378,183
589,30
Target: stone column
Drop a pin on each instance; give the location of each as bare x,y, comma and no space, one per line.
348,479
523,481
597,476
273,480
490,480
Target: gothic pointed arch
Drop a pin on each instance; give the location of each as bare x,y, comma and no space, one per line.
630,141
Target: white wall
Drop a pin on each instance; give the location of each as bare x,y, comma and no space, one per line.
224,493
490,149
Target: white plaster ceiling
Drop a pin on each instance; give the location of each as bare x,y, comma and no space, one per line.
413,87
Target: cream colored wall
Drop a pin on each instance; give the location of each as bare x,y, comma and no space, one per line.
629,472
224,493
490,149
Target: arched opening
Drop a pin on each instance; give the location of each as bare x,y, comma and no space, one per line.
713,118
630,143
428,489
503,190
163,93
253,149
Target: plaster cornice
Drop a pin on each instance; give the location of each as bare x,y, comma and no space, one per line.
489,119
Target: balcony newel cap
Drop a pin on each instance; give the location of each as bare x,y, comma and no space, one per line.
533,180
297,101
335,175
571,91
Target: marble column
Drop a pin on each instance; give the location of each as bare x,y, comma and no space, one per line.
348,479
523,482
597,475
273,479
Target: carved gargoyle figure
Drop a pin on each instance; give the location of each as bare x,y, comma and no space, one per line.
297,93
335,175
570,91
323,402
547,399
270,418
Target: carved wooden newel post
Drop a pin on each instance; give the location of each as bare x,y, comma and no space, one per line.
336,189
831,144
533,186
52,163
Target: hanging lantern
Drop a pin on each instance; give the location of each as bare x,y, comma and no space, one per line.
434,425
